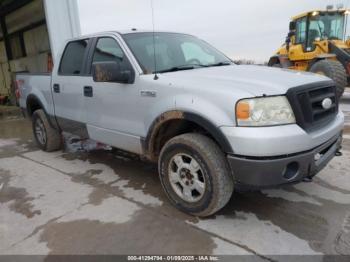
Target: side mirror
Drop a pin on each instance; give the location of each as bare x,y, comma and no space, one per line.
111,72
292,26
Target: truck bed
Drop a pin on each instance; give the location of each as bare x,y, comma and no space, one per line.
39,85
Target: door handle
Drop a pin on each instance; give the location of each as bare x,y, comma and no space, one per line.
88,91
56,88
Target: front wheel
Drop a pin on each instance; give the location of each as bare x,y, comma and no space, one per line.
195,174
46,137
334,70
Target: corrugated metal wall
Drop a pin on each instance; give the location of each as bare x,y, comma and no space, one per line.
60,18
24,16
37,46
36,43
4,75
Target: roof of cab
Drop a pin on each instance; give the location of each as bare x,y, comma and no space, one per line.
123,32
324,11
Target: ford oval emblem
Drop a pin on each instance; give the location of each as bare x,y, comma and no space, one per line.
327,103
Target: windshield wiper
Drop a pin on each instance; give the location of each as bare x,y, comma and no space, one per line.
192,66
176,68
180,68
220,64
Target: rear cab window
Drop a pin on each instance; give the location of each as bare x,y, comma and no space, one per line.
72,61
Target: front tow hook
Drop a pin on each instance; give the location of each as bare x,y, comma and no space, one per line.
338,153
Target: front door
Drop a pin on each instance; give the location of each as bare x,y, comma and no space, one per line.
114,110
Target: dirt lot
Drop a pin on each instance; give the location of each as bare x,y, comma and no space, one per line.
106,203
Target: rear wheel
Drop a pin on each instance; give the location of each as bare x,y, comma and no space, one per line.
334,70
46,137
195,174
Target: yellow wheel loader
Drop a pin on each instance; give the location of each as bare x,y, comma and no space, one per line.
316,43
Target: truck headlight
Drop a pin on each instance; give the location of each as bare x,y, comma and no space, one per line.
264,111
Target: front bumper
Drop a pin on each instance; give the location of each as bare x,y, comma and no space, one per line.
279,140
261,172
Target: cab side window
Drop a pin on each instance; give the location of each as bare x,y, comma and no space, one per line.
108,50
315,31
73,57
300,37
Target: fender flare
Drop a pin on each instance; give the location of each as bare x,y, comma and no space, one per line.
283,60
273,60
319,58
51,119
207,125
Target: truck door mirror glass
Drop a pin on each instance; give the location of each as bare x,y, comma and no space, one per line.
111,72
292,26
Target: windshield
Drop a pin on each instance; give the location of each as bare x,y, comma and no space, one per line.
173,52
327,26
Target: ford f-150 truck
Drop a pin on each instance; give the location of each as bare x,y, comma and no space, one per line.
211,125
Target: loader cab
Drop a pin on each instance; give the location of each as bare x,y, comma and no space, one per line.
313,27
316,43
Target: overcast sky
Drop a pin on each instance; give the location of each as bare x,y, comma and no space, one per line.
251,29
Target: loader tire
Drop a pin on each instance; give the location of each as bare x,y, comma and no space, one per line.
46,137
334,70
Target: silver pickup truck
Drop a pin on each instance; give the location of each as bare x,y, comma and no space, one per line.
211,125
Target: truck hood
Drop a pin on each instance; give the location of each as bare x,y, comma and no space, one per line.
253,80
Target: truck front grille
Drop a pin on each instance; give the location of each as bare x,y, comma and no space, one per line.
307,104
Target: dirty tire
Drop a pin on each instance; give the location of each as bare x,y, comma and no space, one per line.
53,141
334,70
214,169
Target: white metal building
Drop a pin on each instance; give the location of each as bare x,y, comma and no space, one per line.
31,33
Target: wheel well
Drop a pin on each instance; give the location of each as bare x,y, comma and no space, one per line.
173,128
282,60
33,104
273,60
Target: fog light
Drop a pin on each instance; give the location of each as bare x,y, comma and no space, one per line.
317,157
291,171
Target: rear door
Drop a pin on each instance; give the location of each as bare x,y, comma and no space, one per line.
68,88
